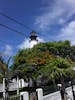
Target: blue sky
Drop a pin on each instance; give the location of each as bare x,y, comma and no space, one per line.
53,20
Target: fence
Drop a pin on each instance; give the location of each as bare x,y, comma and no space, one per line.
57,96
52,96
39,92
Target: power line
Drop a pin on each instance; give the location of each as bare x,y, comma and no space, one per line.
5,42
14,30
15,21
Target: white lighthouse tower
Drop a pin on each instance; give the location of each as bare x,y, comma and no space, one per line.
33,39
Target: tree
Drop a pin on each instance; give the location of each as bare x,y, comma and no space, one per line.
56,68
52,59
4,68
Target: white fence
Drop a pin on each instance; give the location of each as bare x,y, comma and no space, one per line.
52,96
57,96
12,86
1,87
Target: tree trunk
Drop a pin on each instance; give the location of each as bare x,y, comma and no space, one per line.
62,90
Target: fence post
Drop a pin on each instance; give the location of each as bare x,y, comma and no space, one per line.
39,93
24,96
17,85
3,88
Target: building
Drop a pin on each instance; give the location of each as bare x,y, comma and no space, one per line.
33,39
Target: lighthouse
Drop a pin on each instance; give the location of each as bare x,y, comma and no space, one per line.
33,39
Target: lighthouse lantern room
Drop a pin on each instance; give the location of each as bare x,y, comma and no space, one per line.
33,39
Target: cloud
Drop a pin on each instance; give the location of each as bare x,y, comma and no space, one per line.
40,39
26,44
57,12
68,32
8,50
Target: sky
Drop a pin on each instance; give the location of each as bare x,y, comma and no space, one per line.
52,20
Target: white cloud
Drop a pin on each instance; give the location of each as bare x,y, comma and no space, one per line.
68,32
26,44
56,13
8,50
40,39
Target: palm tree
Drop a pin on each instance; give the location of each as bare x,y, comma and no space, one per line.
57,68
4,73
2,67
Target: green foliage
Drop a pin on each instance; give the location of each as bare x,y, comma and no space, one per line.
53,59
4,69
57,67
